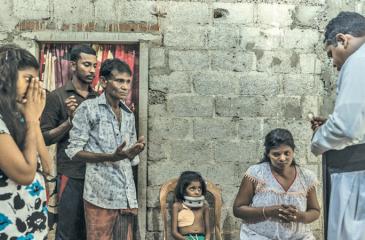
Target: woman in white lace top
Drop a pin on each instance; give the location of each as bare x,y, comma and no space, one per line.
277,198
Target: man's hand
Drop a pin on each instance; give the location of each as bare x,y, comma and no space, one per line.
122,153
316,122
71,105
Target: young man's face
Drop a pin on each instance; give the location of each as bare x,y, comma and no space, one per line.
84,68
118,85
346,45
338,55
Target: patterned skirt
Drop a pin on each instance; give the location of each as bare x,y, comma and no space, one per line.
23,209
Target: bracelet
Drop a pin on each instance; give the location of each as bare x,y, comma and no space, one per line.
263,213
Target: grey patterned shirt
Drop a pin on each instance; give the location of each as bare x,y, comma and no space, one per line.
96,129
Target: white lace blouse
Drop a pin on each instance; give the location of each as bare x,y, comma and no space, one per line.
269,192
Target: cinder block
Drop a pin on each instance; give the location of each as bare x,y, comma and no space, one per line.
238,13
31,9
299,84
211,172
255,83
301,152
308,15
304,39
236,61
243,152
249,106
317,226
123,11
272,123
260,38
250,129
299,128
237,106
309,63
156,97
315,168
30,45
157,58
7,19
312,159
175,82
188,60
229,193
190,106
184,12
286,61
154,235
169,128
223,36
277,15
154,220
157,110
215,83
3,36
291,107
231,224
157,148
235,235
311,104
153,193
105,12
217,128
73,11
161,171
191,152
304,149
271,107
186,37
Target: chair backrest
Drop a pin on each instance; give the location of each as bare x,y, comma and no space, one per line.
170,186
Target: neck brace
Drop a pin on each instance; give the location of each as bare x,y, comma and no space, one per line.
194,202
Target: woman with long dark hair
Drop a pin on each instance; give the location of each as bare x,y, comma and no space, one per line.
23,154
277,198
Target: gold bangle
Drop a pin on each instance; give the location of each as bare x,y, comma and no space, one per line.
263,213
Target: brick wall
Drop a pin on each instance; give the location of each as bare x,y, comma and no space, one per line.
224,74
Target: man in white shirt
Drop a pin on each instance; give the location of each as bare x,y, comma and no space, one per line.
344,43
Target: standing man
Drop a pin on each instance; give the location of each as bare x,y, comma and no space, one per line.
344,42
104,136
56,124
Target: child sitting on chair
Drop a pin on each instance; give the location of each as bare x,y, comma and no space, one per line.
190,216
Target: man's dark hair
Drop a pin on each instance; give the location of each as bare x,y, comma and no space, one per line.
184,180
114,64
81,48
346,23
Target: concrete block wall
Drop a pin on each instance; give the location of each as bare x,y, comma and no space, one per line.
224,74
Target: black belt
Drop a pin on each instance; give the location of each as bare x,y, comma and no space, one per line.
350,159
